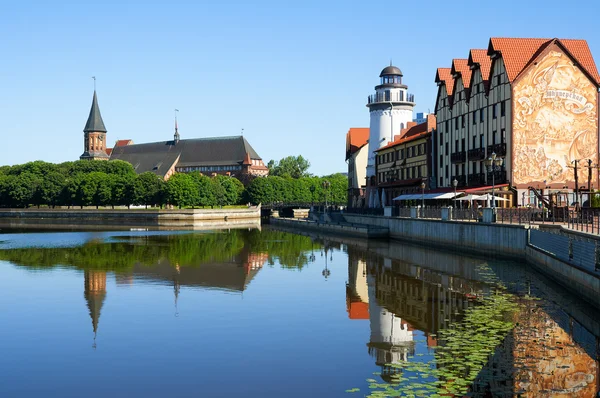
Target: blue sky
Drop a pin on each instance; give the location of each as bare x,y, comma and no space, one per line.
295,76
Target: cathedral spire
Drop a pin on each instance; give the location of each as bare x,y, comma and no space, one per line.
94,122
176,136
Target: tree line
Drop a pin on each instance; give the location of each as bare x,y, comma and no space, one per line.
115,183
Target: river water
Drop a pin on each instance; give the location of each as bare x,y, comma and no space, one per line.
275,314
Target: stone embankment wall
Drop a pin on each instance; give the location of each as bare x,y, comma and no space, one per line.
497,239
506,241
179,218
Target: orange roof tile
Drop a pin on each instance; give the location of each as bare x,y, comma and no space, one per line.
518,53
444,75
356,138
481,58
462,66
108,151
412,133
123,143
581,51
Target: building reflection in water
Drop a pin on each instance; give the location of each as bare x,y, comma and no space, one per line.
94,292
231,276
546,354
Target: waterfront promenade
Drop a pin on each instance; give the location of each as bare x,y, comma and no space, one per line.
568,256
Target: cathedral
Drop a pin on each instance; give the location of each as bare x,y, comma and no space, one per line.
232,156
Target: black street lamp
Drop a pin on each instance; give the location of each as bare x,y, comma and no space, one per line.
454,184
326,185
312,196
423,199
493,163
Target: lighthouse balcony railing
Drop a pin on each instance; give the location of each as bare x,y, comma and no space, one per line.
391,97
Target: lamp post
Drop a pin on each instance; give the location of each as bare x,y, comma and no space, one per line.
422,199
326,185
454,184
492,164
312,196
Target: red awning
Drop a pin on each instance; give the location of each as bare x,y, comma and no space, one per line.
488,189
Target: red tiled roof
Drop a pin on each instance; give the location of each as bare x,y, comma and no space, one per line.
123,143
518,53
108,151
413,133
444,75
462,66
478,56
356,138
581,51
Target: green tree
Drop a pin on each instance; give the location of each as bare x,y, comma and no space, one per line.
232,190
260,190
182,190
51,188
148,188
19,190
290,166
104,190
87,188
204,189
123,189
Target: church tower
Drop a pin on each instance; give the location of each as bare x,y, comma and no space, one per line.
94,133
391,108
94,293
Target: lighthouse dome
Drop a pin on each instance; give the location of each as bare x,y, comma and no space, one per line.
390,71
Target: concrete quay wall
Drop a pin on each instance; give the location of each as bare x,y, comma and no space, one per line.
363,231
501,240
181,217
581,281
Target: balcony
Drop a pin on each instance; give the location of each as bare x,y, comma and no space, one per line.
476,154
390,97
476,179
462,180
499,177
498,149
458,157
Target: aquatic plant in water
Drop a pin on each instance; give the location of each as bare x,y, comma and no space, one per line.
463,351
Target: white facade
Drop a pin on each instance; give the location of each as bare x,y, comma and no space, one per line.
387,330
391,108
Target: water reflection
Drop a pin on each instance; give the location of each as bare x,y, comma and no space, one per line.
546,352
424,320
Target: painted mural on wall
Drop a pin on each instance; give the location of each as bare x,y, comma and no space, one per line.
555,122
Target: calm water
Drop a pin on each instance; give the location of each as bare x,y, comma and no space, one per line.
274,314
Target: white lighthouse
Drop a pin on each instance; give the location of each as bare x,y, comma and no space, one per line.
391,108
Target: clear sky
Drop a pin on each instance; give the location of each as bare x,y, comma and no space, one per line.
294,75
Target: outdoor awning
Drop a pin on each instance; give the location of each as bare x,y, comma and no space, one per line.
427,196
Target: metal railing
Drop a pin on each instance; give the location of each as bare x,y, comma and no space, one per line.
390,97
476,154
579,219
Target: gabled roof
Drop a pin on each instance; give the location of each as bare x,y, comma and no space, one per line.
413,133
443,76
461,67
159,157
479,58
518,53
94,122
123,142
356,138
108,151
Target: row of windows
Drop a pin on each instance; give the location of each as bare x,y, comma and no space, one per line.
204,169
411,151
474,141
406,173
460,170
460,120
478,88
